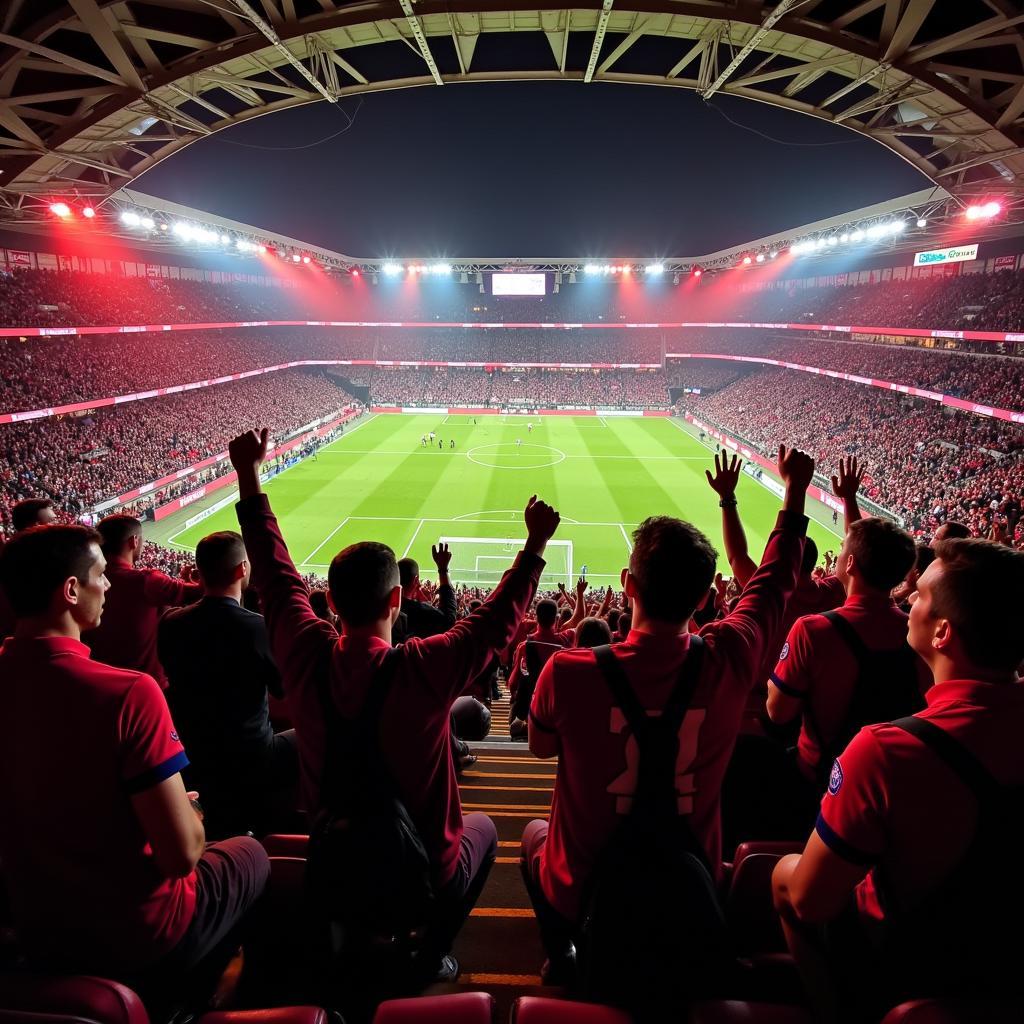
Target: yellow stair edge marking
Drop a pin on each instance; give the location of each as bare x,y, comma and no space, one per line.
513,980
501,912
505,775
506,860
525,808
511,789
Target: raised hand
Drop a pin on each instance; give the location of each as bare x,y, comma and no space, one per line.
541,522
795,467
442,557
581,587
727,475
248,452
849,474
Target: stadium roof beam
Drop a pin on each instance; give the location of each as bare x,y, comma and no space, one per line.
421,40
781,8
599,34
954,70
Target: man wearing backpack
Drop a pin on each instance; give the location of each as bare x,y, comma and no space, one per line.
324,674
912,867
577,714
850,667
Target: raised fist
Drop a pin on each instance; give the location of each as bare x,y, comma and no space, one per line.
795,467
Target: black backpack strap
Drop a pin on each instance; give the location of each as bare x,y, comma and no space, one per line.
850,636
625,698
955,755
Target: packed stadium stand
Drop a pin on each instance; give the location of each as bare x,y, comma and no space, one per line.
484,920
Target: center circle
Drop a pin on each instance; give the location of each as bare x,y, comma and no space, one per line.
508,455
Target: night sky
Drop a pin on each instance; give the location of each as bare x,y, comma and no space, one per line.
532,169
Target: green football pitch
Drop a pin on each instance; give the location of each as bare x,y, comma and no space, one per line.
378,482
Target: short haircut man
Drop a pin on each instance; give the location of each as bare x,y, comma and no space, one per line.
547,613
32,512
117,530
900,816
35,563
884,553
951,530
361,580
408,572
810,559
106,862
218,557
672,565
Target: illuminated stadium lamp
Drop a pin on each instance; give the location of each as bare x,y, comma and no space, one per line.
773,254
163,226
243,245
355,271
857,236
697,271
654,269
305,259
262,249
225,239
897,226
441,268
983,212
876,231
844,238
627,268
922,222
412,268
747,261
591,268
61,210
392,269
296,258
831,240
88,212
760,257
130,218
615,270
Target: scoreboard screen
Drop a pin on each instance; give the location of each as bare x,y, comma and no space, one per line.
518,284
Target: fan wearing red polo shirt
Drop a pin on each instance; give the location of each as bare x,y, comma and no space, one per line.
364,590
127,636
102,851
670,569
899,820
818,670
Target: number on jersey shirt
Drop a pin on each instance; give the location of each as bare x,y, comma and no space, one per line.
624,786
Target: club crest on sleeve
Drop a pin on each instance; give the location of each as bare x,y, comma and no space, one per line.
835,779
174,736
784,653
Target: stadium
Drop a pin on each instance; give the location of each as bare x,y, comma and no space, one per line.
398,635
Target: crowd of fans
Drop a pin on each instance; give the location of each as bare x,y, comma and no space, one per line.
81,461
124,686
927,465
969,301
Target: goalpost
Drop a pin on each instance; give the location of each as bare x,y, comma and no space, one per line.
481,561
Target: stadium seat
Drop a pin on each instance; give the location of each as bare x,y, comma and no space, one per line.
539,1010
461,1008
955,1011
283,845
81,999
750,916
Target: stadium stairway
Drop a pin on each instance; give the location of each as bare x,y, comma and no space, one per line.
499,948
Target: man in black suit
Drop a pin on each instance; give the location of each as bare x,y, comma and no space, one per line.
217,658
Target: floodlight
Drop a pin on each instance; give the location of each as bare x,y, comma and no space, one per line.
88,212
355,271
296,257
844,238
655,268
697,271
591,268
441,268
922,222
61,210
131,218
857,235
773,254
747,261
225,239
262,249
392,269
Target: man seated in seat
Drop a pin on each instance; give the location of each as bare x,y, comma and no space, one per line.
317,664
820,666
217,658
103,852
897,819
127,636
573,716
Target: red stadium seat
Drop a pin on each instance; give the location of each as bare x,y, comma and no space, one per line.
955,1011
461,1008
283,845
81,999
750,915
538,1010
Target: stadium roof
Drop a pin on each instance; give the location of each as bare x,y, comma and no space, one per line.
94,92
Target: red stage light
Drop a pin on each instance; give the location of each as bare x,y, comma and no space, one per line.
263,249
305,259
698,272
296,257
747,261
355,272
60,210
88,212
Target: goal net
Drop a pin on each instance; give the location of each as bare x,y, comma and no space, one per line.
481,561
